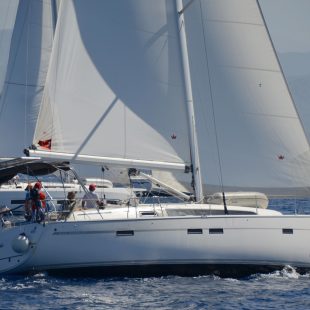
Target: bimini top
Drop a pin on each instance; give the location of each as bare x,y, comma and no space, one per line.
29,166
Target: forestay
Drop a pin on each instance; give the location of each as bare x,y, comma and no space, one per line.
115,85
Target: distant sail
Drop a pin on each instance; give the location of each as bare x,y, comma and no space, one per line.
8,10
28,60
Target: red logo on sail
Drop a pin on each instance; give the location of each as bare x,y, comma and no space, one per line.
47,144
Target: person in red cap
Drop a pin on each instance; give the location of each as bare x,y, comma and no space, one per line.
91,199
38,202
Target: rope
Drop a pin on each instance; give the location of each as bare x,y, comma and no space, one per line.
26,78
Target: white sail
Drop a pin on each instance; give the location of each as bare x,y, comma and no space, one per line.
241,97
8,9
115,84
25,75
178,180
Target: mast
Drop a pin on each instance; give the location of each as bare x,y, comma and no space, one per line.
196,171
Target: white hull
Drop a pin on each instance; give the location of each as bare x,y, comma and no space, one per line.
264,241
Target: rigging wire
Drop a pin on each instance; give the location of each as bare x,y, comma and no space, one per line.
213,109
26,77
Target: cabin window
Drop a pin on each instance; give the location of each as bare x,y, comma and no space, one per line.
194,231
287,231
184,212
149,213
213,231
124,233
17,202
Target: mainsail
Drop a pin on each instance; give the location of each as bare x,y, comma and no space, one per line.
115,90
115,86
26,67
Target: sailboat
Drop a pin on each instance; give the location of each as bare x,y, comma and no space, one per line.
192,86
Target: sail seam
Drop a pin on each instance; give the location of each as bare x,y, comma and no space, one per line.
271,115
23,84
233,22
250,68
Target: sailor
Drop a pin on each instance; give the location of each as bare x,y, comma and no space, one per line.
68,205
38,202
28,202
91,199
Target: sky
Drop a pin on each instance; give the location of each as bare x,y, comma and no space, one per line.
289,24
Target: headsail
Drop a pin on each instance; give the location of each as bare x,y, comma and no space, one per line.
115,87
243,100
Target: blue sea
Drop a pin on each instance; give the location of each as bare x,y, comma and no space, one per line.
281,289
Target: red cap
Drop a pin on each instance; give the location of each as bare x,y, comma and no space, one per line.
92,187
38,185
